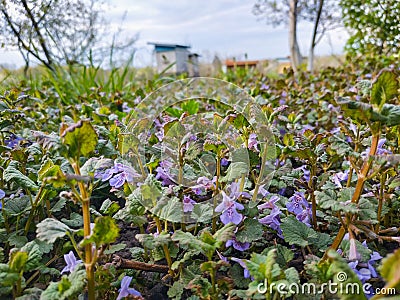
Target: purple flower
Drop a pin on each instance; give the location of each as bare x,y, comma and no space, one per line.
2,194
379,150
203,183
306,127
126,108
188,204
12,141
246,273
264,87
297,203
363,274
117,175
306,173
339,177
71,262
125,291
224,162
270,204
124,174
252,142
228,208
375,256
237,245
273,220
163,172
305,216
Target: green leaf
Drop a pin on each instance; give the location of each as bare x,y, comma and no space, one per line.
68,288
169,209
12,174
296,232
384,88
115,248
235,170
202,212
390,269
109,207
81,138
48,169
49,230
105,232
252,231
262,266
7,276
18,260
176,290
34,256
225,233
17,206
191,106
151,242
283,254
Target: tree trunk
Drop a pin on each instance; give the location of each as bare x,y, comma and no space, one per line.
310,65
295,55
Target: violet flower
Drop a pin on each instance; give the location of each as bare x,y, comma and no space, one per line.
237,245
71,262
339,177
305,216
269,204
224,162
246,273
273,221
12,141
2,195
252,142
297,203
306,173
117,175
125,290
163,172
203,183
379,151
229,207
188,204
375,256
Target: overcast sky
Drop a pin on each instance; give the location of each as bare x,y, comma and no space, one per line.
224,27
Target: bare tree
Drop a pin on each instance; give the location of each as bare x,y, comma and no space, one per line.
323,14
54,31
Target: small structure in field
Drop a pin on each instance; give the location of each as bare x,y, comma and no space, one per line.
176,59
233,64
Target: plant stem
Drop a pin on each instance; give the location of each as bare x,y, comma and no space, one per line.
165,247
262,167
86,232
312,195
357,193
380,202
214,220
33,209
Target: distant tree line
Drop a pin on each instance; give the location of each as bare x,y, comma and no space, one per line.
374,25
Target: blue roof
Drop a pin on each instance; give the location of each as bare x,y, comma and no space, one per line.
167,47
